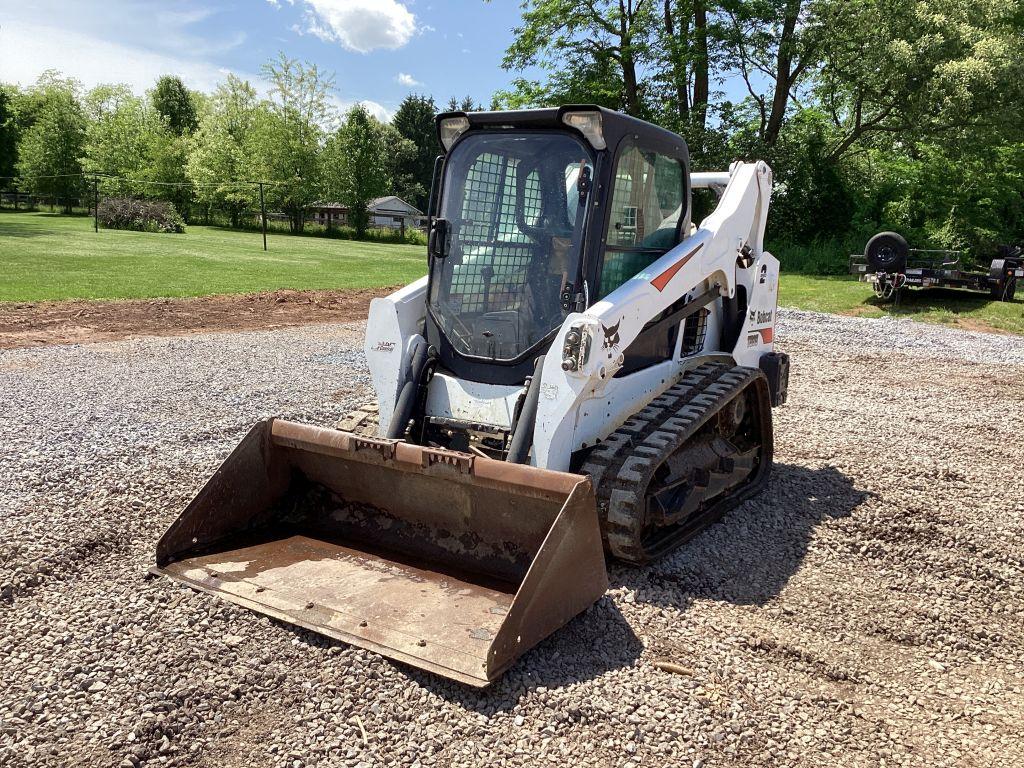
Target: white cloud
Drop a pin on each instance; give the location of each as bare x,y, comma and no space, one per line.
93,52
361,25
407,80
379,111
27,49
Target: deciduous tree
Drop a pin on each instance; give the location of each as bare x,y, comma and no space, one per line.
50,148
929,69
121,128
217,162
570,37
176,105
357,162
8,134
285,140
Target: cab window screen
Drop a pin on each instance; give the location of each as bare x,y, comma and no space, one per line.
512,203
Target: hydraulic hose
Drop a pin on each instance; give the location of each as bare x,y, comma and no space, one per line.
408,396
522,438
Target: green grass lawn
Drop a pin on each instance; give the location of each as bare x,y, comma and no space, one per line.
846,296
45,256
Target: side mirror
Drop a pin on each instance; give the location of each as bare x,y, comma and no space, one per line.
439,239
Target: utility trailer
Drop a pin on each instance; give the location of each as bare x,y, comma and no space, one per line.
890,265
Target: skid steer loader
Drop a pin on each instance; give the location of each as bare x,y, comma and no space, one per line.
583,370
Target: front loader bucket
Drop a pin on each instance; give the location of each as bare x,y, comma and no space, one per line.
450,562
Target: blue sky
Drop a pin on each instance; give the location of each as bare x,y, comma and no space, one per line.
379,50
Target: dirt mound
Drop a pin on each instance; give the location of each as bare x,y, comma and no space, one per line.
33,324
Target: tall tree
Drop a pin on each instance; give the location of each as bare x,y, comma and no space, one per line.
50,148
8,134
285,142
588,35
770,44
119,135
580,80
357,162
414,121
466,104
683,61
929,69
176,105
167,168
401,181
300,90
217,161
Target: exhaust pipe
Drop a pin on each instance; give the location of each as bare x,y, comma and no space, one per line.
447,561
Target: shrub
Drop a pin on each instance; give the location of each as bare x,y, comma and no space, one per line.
140,215
825,256
383,235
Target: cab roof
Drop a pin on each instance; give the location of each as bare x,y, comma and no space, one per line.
616,125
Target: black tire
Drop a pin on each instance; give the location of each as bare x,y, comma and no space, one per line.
887,252
1006,290
1002,279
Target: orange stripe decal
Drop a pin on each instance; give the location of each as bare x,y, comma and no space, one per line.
662,280
767,335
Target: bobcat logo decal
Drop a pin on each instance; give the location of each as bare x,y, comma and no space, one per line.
611,335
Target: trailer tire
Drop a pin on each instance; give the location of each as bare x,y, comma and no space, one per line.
1009,289
1003,290
887,252
1002,284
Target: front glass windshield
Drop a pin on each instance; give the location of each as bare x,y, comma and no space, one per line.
512,200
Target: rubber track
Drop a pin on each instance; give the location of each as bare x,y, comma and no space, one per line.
623,465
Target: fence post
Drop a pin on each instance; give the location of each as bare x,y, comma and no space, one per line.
263,216
95,205
15,198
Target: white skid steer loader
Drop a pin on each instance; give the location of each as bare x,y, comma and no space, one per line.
582,371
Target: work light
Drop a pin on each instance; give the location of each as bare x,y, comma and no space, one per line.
452,128
589,124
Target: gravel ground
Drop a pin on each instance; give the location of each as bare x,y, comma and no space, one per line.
848,617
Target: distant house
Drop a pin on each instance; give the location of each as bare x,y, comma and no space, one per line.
389,212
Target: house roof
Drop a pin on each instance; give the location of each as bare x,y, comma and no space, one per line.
388,203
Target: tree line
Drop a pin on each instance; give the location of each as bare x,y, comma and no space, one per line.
874,114
894,114
202,152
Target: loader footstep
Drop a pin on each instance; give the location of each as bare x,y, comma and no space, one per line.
361,421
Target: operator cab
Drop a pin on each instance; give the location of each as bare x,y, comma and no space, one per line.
523,234
512,203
